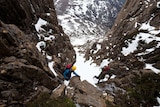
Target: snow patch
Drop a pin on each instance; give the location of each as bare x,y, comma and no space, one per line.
150,66
40,23
98,47
50,64
48,14
66,83
146,37
48,57
158,100
87,70
40,44
158,4
105,62
51,37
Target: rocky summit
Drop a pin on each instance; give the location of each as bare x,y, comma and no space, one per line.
34,51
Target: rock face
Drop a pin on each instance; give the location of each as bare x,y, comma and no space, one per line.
22,67
24,71
128,25
133,45
133,89
24,13
82,93
85,94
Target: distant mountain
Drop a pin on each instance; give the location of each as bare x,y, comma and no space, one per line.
87,18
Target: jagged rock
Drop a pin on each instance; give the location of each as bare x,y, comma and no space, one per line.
124,29
132,82
132,86
157,65
90,100
59,48
42,89
13,93
58,92
23,68
108,97
3,105
76,82
24,13
32,11
24,49
85,94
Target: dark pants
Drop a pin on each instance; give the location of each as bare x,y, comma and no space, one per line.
102,75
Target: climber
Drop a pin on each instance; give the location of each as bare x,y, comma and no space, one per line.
68,71
105,70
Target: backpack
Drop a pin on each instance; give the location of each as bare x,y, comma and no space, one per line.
68,66
106,68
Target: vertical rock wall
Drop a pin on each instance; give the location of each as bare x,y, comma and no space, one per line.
24,71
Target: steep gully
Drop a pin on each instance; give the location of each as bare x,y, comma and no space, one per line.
25,73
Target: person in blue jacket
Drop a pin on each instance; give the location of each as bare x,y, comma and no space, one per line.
68,71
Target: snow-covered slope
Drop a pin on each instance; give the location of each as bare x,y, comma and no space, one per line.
145,38
133,38
87,18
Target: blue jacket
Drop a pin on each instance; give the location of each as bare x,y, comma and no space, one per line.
67,74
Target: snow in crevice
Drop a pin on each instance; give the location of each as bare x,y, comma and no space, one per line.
158,100
158,4
42,43
112,88
147,38
150,66
98,47
40,23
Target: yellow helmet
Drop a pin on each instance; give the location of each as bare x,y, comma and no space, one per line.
73,68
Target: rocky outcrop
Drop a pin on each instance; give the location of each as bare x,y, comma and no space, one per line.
133,89
137,22
24,14
24,71
126,27
22,68
85,94
59,92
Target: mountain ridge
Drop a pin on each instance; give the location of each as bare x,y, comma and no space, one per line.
87,19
